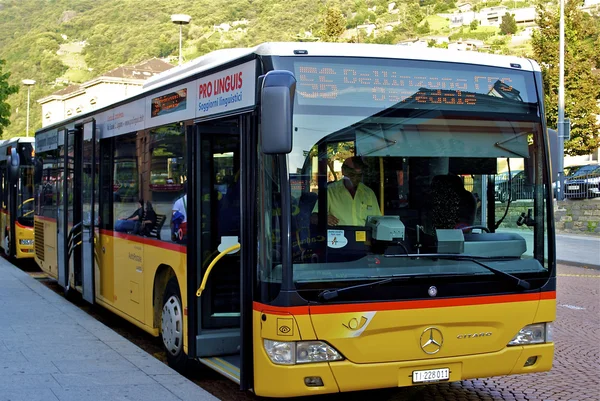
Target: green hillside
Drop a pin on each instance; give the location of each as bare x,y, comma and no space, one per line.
57,42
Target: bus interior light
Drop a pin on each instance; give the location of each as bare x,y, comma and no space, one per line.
531,334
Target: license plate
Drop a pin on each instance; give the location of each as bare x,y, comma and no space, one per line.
573,187
431,375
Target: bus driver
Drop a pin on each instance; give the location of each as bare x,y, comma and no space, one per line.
349,201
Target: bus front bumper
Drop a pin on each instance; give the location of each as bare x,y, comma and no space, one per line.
288,381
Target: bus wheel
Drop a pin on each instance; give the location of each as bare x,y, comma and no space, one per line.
7,246
172,326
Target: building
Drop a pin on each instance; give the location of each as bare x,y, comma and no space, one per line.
113,86
464,18
492,16
467,45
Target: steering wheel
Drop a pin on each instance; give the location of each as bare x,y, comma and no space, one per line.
484,228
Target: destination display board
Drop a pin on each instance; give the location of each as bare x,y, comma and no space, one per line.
374,85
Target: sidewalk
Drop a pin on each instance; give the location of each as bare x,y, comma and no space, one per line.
50,350
578,250
571,249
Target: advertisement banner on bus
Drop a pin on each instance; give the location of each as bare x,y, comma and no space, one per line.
174,104
122,119
231,89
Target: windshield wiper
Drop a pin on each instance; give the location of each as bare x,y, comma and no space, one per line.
450,256
326,295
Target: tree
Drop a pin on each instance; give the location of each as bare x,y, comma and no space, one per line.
5,91
582,86
508,26
334,24
473,25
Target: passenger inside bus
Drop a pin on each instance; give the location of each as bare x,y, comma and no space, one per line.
349,201
452,206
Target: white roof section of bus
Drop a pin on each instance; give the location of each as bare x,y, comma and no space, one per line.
393,52
11,141
219,57
203,63
4,144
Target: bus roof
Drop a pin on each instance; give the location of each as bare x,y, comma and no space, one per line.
18,139
365,50
223,57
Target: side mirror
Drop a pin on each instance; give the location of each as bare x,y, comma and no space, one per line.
554,152
277,102
14,163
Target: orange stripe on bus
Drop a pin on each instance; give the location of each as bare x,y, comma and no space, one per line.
144,240
22,226
400,305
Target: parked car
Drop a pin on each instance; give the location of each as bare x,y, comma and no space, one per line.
517,188
568,171
583,183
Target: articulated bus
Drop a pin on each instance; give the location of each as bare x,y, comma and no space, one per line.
17,157
287,273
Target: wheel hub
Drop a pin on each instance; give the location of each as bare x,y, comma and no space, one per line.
172,326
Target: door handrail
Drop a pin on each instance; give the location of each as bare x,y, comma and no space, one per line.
212,264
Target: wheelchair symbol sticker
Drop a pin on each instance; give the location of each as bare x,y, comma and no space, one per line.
336,239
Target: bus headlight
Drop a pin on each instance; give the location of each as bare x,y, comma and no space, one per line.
291,352
538,333
316,351
25,242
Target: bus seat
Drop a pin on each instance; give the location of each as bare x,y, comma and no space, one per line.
451,205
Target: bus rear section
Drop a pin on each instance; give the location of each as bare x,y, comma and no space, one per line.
401,268
17,156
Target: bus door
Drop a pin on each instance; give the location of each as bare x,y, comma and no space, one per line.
214,226
220,222
89,210
77,234
64,214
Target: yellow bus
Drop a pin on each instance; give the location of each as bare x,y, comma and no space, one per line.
16,197
273,260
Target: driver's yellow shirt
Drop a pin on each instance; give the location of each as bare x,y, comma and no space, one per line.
350,211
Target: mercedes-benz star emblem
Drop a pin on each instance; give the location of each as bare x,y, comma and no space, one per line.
432,291
431,340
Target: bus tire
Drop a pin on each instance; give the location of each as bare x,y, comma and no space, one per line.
7,246
172,326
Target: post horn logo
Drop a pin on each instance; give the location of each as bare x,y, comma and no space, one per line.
355,324
431,340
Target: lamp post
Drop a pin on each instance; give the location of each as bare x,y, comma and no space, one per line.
28,83
180,19
561,103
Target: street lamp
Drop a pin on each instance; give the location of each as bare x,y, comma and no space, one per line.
561,103
28,83
180,19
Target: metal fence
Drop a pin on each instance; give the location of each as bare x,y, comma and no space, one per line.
584,184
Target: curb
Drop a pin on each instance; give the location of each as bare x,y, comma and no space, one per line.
578,264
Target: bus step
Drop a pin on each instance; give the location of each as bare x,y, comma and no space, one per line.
228,366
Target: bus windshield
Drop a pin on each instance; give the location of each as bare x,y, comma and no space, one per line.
394,159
